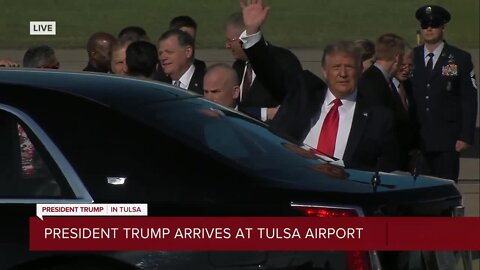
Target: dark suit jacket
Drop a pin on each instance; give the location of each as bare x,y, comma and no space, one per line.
447,100
92,68
263,94
375,88
196,83
406,124
371,143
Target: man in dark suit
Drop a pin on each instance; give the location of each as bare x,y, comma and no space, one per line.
335,118
188,25
376,84
406,116
141,59
221,85
99,49
255,98
445,92
375,81
176,52
40,57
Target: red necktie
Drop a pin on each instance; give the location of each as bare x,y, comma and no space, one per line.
328,134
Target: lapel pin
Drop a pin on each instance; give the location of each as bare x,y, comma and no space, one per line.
365,114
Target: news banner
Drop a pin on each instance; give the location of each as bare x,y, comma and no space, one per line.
128,227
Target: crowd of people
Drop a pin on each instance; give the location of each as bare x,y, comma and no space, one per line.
380,105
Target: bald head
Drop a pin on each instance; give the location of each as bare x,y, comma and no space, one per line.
99,48
221,85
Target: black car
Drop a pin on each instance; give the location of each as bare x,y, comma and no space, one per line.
67,138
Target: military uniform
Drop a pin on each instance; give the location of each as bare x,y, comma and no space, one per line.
446,98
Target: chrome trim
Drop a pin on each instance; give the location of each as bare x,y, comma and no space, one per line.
116,180
374,260
67,170
373,255
458,211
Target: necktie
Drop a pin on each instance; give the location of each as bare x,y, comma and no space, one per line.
247,80
398,90
328,134
392,86
429,66
177,83
403,96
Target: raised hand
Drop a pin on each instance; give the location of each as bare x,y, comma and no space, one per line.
255,14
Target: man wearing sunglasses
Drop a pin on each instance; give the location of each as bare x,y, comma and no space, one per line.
444,90
40,57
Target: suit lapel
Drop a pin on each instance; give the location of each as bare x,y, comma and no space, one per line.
195,84
359,123
419,63
310,110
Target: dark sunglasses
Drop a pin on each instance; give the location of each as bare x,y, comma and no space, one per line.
431,24
51,66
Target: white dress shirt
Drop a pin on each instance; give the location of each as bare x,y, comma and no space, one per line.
436,53
344,124
186,77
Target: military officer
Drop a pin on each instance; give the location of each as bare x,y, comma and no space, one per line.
445,92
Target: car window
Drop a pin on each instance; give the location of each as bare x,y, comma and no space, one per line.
26,171
230,135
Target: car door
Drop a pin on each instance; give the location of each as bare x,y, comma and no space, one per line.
32,171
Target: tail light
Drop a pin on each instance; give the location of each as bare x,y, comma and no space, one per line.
356,260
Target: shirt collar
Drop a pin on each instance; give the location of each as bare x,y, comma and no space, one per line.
436,52
396,82
186,77
346,101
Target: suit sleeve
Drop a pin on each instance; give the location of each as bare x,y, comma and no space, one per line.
469,101
270,72
254,112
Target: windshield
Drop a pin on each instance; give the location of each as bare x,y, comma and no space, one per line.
245,141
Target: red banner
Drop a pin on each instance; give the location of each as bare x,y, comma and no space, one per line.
253,233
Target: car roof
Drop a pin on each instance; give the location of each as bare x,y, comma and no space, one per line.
111,90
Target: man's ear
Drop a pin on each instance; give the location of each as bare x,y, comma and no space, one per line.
236,92
189,51
125,69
